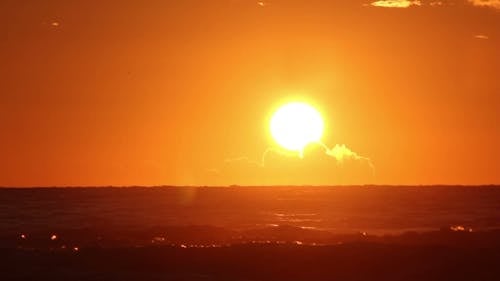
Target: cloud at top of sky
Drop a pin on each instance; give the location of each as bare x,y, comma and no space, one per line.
415,3
395,3
481,36
486,3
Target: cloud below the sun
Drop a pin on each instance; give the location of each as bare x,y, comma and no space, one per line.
342,153
319,165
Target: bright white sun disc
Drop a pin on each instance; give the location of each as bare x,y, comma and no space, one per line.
295,125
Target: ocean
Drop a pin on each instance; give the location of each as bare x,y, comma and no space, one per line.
348,209
250,233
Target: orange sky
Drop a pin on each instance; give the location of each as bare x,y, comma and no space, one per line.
180,92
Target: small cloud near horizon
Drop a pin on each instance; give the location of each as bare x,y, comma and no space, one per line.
338,165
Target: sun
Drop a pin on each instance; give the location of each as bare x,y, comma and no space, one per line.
295,125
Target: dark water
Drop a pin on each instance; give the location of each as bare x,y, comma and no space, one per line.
336,209
243,233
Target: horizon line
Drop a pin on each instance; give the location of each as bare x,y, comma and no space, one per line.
249,186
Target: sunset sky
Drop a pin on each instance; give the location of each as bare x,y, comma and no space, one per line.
181,92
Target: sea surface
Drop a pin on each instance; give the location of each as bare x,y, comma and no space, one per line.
348,209
250,233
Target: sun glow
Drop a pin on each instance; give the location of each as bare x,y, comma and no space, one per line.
295,125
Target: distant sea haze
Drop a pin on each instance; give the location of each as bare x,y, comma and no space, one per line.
372,209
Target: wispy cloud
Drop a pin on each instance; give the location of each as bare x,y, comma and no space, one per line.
318,165
436,3
341,153
481,36
395,3
262,3
486,3
494,4
242,159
